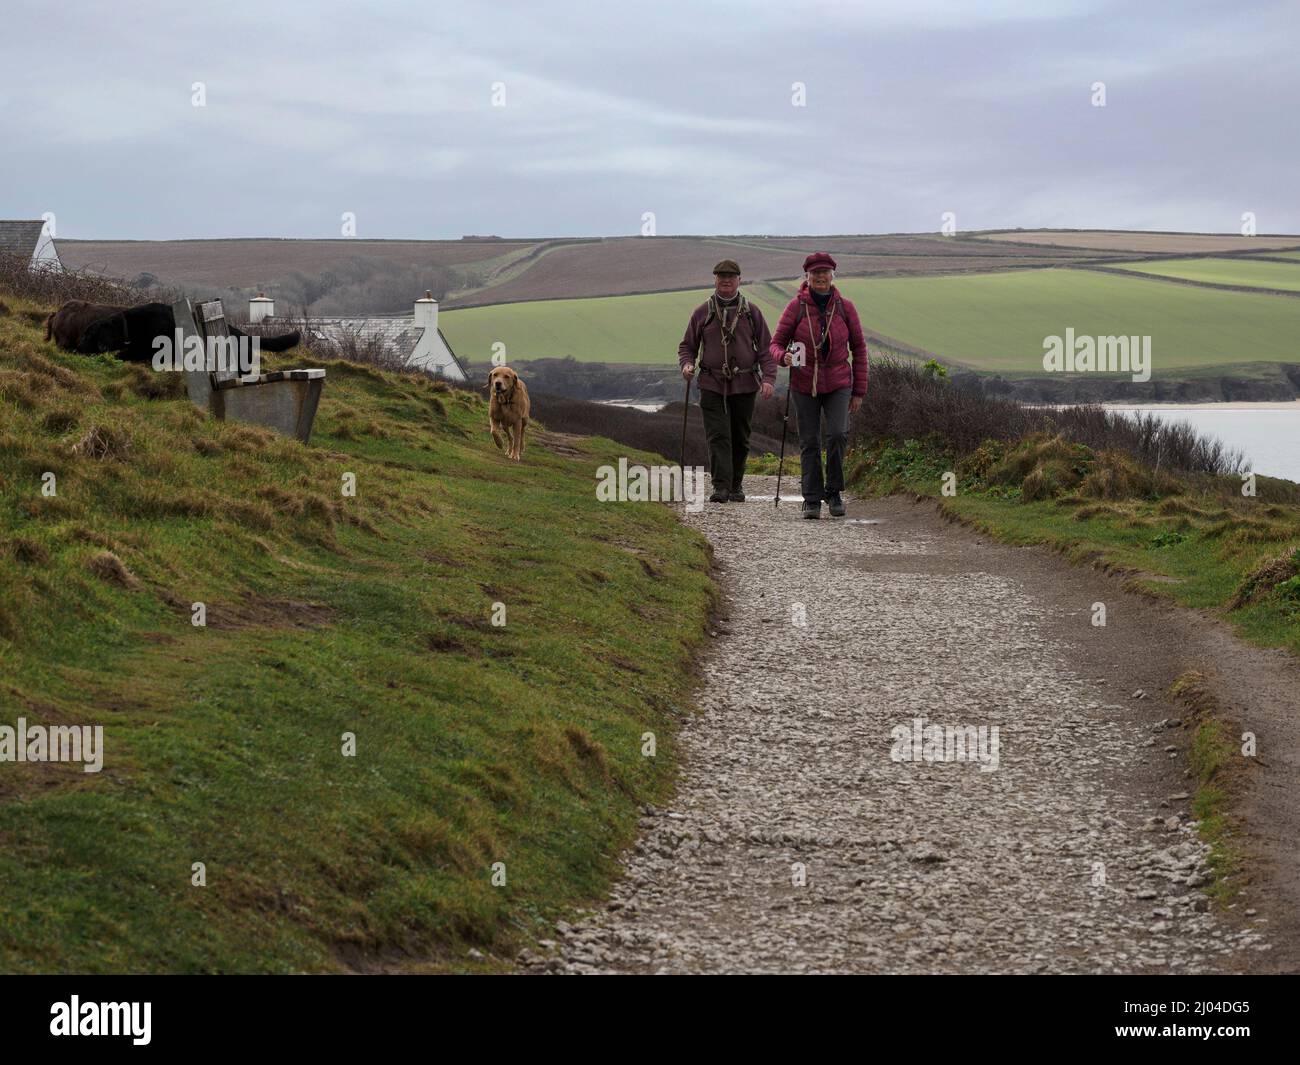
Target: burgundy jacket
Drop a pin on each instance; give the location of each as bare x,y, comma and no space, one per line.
747,336
843,361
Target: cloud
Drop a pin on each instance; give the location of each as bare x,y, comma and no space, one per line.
912,109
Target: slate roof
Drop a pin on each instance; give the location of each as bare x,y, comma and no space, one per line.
398,332
21,237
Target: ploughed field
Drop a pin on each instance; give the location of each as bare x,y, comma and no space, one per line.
261,261
1155,243
498,271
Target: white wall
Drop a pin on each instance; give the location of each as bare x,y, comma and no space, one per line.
46,253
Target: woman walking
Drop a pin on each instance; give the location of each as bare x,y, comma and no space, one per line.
820,338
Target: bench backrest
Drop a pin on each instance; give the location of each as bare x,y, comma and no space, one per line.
211,320
198,383
205,321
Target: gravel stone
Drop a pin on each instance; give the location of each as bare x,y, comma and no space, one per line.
796,843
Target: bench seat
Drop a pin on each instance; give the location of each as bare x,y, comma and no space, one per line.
267,378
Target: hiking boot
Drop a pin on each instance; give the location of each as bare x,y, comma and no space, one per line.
812,508
718,497
736,497
836,505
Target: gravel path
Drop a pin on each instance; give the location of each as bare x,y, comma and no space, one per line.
796,843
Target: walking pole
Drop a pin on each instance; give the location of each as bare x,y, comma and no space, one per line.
686,410
785,421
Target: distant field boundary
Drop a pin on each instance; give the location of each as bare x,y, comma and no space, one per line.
310,240
1151,232
472,303
993,236
1254,289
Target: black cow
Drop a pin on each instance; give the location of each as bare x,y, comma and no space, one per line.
131,333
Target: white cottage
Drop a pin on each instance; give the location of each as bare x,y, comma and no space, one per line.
415,339
30,238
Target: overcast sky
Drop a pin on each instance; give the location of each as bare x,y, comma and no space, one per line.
611,110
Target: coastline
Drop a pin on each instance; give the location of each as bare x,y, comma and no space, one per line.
1216,406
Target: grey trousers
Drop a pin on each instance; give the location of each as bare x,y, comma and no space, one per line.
810,410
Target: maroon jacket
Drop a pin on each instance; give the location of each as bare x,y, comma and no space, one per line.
747,336
843,361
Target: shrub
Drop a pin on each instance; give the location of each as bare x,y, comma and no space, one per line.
904,402
51,286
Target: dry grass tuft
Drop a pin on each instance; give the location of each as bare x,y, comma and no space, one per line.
103,442
108,567
1266,578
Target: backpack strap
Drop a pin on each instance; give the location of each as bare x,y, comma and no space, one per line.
751,314
802,313
712,314
746,308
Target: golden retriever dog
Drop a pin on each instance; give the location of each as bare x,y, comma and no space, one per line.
507,410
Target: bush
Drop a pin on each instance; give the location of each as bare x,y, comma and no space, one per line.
905,401
659,432
52,286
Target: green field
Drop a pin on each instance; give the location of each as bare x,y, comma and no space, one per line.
991,322
616,329
998,321
1224,272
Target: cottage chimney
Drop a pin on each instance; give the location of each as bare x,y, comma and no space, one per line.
426,312
259,307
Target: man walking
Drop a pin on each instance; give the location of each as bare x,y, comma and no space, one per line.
728,336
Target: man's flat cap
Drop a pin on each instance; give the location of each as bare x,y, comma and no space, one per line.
727,266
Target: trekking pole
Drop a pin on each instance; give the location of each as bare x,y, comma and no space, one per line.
686,410
785,421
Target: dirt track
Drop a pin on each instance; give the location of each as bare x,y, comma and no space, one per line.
797,843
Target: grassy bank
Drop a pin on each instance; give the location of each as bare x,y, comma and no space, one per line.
326,614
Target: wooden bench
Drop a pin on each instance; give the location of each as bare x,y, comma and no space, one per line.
285,400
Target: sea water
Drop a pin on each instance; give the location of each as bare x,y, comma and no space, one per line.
1267,433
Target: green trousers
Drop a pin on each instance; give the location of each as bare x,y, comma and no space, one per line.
726,427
